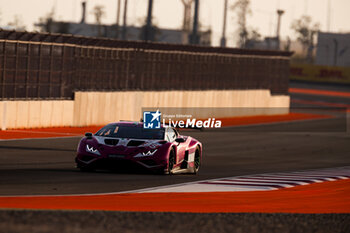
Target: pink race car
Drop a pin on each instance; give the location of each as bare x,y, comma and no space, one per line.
126,145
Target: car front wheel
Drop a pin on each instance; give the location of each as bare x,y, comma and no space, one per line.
171,162
197,161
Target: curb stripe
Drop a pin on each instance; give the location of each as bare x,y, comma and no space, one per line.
264,180
257,182
326,197
249,184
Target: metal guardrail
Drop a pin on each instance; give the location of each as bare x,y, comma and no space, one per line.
53,66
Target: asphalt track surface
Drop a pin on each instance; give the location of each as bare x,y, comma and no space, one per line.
46,166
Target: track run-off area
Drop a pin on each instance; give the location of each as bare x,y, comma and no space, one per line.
315,191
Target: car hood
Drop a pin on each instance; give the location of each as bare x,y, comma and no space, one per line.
128,142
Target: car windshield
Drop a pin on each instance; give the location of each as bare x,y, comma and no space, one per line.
116,131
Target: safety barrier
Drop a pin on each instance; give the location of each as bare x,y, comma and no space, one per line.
98,108
54,66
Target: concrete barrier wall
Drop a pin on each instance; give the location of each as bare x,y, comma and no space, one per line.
98,108
36,114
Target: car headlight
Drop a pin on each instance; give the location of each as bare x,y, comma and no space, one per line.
91,149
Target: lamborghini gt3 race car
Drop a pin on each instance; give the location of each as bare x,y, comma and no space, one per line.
128,145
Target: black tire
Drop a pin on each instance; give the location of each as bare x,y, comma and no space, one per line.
171,161
197,161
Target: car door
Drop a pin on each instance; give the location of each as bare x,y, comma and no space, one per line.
181,147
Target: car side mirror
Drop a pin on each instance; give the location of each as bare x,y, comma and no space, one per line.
88,135
180,140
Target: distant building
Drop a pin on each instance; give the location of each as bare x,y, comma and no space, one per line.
333,49
132,33
269,43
